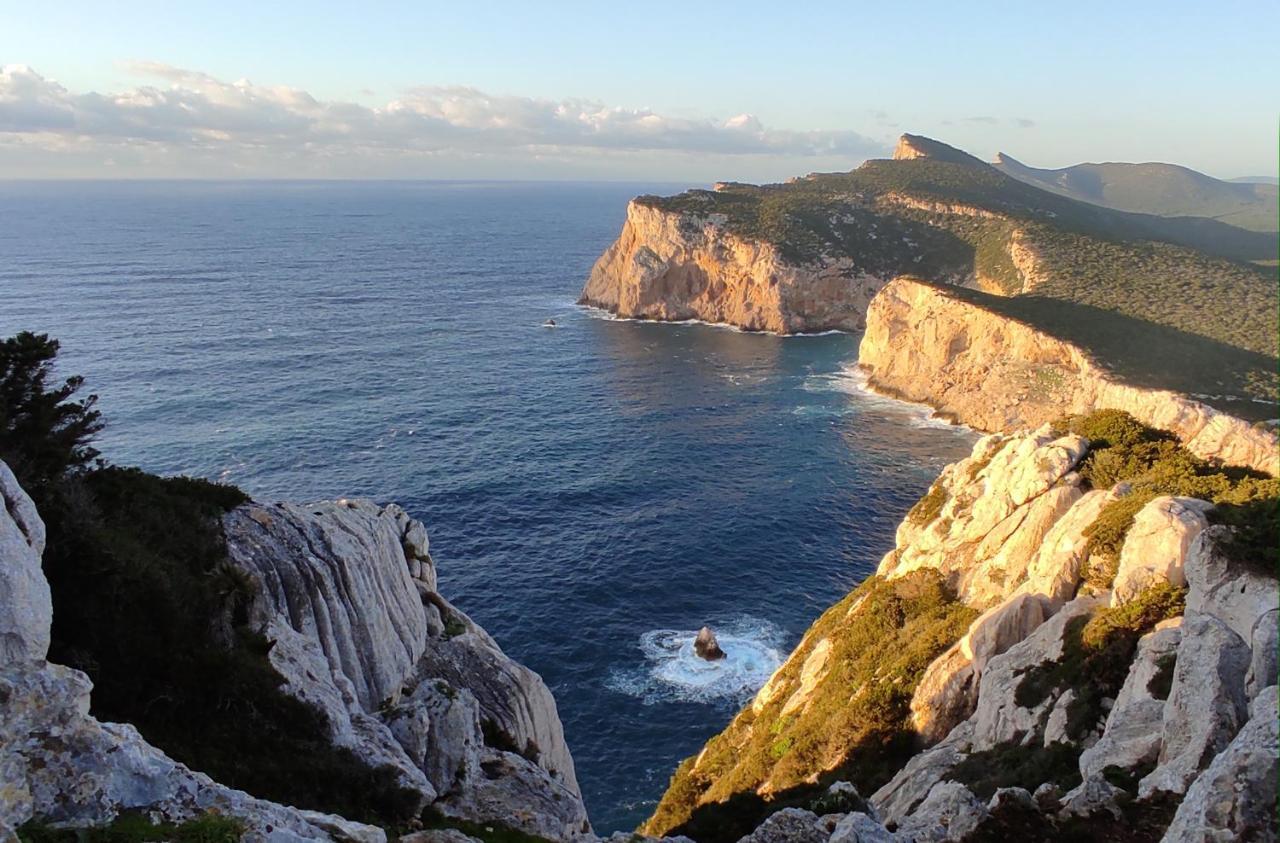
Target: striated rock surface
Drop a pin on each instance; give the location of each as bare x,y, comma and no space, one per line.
62,766
678,266
1235,798
26,609
347,591
994,373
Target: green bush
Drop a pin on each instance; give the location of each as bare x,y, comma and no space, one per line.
1015,765
1154,463
43,433
928,507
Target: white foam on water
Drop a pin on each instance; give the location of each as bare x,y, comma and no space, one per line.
608,316
854,381
672,672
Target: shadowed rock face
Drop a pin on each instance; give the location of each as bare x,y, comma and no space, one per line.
347,591
706,646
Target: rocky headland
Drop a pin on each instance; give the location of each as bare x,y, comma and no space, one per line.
345,595
983,369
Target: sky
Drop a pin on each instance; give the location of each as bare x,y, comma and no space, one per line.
689,91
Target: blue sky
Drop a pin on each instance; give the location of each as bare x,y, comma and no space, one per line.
689,91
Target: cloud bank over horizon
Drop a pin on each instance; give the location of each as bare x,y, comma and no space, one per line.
191,124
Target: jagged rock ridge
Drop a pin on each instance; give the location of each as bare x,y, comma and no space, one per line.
346,594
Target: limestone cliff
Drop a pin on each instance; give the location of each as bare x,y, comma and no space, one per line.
346,595
673,267
995,373
1061,695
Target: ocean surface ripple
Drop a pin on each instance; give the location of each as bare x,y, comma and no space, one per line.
595,493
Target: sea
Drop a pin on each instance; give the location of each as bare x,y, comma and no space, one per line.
595,491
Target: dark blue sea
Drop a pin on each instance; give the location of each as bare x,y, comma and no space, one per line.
595,491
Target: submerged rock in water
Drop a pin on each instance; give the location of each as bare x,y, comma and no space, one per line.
706,646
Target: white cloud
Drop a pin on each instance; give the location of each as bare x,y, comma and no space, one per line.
192,116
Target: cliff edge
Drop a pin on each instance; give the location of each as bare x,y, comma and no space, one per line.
995,373
344,597
679,266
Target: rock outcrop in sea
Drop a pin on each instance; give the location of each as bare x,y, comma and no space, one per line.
345,592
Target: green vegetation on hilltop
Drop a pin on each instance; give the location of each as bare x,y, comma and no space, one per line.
853,725
1163,302
1153,188
146,603
1154,463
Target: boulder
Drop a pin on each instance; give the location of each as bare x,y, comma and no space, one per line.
705,646
1093,796
1242,599
1235,797
858,827
1206,705
515,792
26,608
898,797
1132,735
1012,797
999,718
1155,548
949,813
790,825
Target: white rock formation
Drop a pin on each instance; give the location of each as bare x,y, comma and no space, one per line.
1155,548
1241,597
1235,798
672,267
1132,736
26,609
347,592
60,765
1206,705
993,373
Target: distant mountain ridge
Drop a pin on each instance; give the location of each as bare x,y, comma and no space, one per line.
1167,190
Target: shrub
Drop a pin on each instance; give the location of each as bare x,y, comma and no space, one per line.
43,432
927,508
1014,765
1154,463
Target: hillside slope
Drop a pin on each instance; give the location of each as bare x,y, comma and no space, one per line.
1059,617
810,254
1152,188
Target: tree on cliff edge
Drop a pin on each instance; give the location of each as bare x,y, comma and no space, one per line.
43,432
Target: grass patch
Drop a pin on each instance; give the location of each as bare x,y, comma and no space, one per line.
927,508
854,727
134,827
